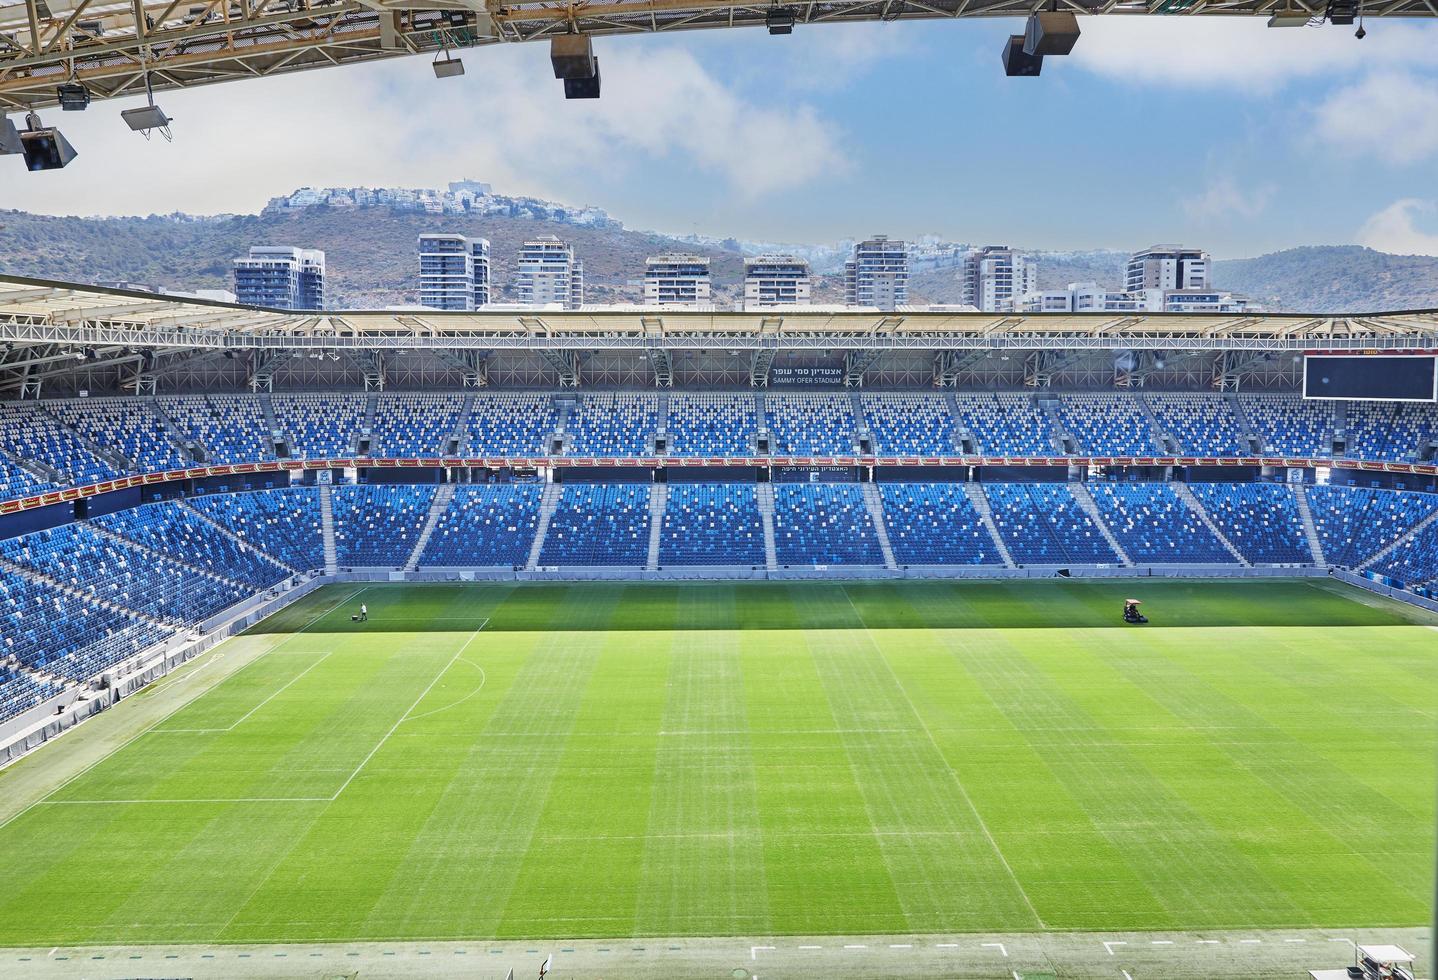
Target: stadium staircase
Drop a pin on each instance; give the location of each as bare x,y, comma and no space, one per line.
761,423
272,426
1310,529
327,528
980,500
458,440
1245,428
185,446
962,431
40,578
104,532
1392,546
1194,504
244,544
875,502
37,469
547,503
110,455
658,501
661,420
765,496
437,507
1059,438
561,427
1161,439
1090,507
366,430
862,430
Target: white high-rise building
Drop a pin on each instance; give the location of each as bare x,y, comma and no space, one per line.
1167,267
677,279
996,279
878,274
281,277
546,274
776,280
453,272
1088,297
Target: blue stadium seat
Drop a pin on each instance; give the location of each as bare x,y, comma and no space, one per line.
919,425
606,424
823,524
1108,425
284,524
711,425
378,525
319,426
414,425
1154,525
485,525
712,524
804,425
1203,425
1261,519
1042,524
599,524
1355,523
935,524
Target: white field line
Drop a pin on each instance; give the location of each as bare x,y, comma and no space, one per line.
166,716
483,677
231,727
1000,946
963,791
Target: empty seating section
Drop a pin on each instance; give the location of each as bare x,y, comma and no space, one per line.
284,524
823,524
1203,425
935,524
1006,424
486,525
16,482
1287,425
1261,519
801,425
510,425
911,424
613,425
1154,525
414,425
1414,561
172,529
34,435
20,692
1107,425
319,426
378,526
604,524
711,425
126,425
712,524
225,428
1355,523
1397,431
1042,524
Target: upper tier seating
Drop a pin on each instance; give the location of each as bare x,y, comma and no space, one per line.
712,524
1355,523
920,425
27,433
935,524
1107,425
1287,425
319,426
172,529
614,425
1204,425
803,425
599,525
225,428
711,425
378,525
484,525
1042,524
823,524
285,524
1154,525
414,425
127,425
1398,431
511,425
1006,424
1260,519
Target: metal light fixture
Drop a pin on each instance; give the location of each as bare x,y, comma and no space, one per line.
143,119
43,146
73,97
10,142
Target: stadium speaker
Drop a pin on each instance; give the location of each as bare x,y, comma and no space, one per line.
572,56
1051,32
1017,64
45,149
583,88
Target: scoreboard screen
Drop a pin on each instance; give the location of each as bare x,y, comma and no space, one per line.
1371,377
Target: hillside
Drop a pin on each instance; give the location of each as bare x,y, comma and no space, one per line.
1334,279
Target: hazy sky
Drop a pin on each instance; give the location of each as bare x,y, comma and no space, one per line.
1217,132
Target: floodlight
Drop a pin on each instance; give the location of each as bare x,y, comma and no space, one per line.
779,20
44,147
9,138
73,97
1290,18
1342,13
572,56
144,118
1017,64
448,67
1051,32
583,88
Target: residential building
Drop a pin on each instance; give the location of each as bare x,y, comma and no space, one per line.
776,280
878,274
677,279
996,279
1088,297
453,272
546,274
1167,267
281,277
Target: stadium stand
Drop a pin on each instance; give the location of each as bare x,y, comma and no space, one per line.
172,529
284,524
711,425
1108,425
935,524
34,436
319,426
223,428
919,425
712,524
599,524
1155,525
824,524
1261,519
1355,523
1043,524
414,424
20,692
485,525
1286,425
126,425
810,424
1396,431
1201,425
1414,560
614,425
379,525
511,424
1005,425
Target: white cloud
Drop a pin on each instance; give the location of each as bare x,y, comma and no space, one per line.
1391,116
1392,229
1241,52
1223,199
506,121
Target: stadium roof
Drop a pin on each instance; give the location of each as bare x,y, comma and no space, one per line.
97,42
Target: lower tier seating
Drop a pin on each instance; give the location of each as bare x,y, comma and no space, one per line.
173,529
1260,519
599,525
936,524
284,524
1043,524
823,524
1154,525
378,525
1356,523
486,525
712,524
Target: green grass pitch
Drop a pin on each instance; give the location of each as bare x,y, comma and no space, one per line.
576,760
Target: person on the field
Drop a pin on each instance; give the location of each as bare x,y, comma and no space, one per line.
364,613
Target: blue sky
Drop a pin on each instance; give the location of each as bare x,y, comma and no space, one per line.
1218,132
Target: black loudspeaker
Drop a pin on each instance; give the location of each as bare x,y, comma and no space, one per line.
1051,32
45,149
583,88
572,56
1020,65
